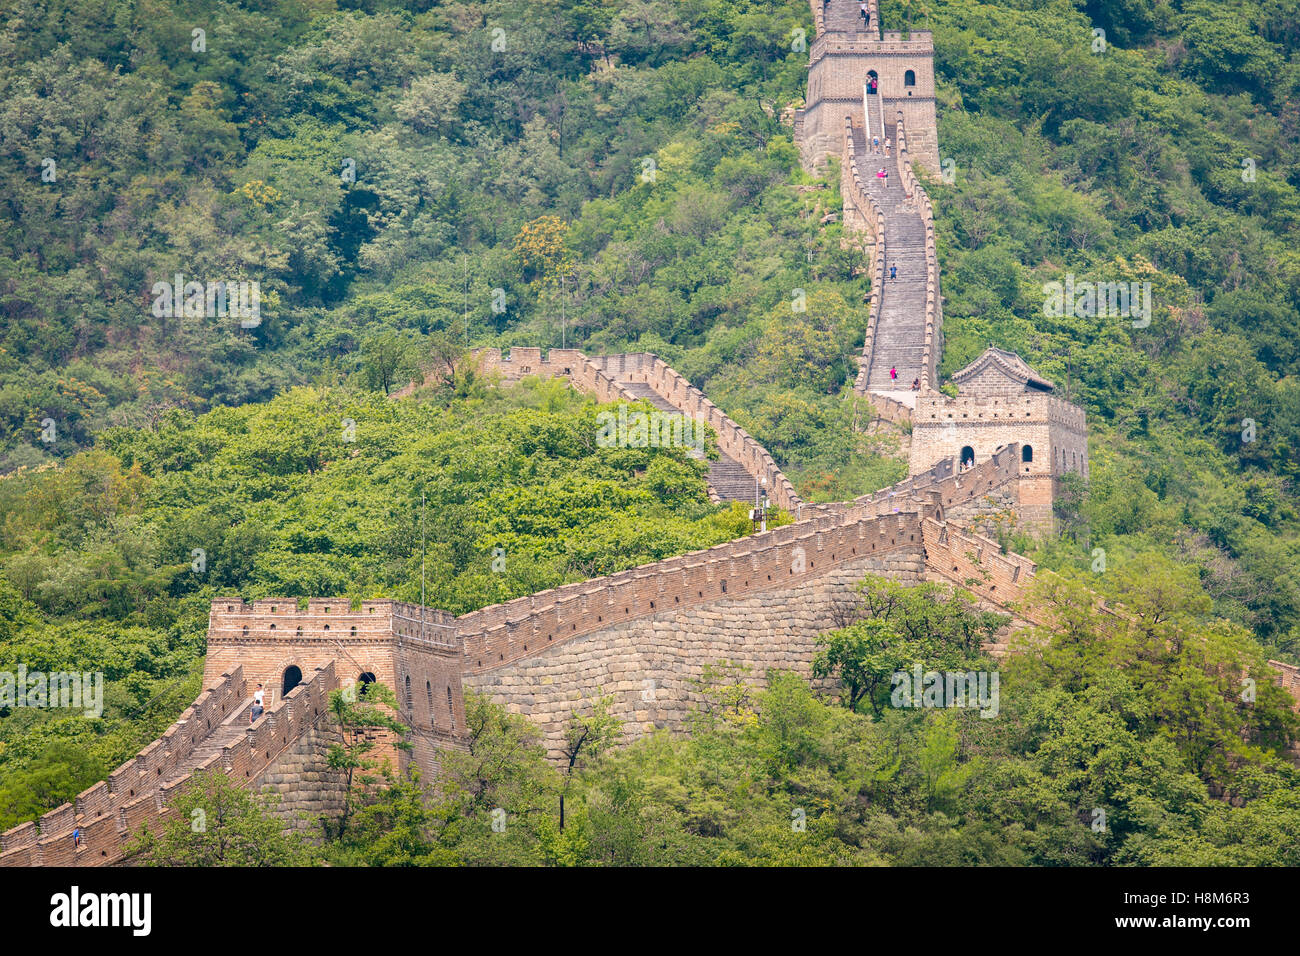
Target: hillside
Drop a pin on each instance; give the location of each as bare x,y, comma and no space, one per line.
406,181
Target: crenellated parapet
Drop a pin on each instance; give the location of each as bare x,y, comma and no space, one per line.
503,633
920,200
139,793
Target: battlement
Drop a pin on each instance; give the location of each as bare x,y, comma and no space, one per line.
1288,677
977,564
937,407
270,619
503,633
733,440
917,195
919,44
607,377
139,792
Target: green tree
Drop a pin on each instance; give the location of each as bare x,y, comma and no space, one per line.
214,823
361,713
387,358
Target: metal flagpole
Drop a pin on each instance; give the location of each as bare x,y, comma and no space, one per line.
422,554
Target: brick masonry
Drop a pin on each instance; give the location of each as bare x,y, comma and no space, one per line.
644,634
301,784
647,665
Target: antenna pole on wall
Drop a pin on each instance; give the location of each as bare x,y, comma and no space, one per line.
422,556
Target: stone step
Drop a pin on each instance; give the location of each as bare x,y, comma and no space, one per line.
843,16
730,481
644,391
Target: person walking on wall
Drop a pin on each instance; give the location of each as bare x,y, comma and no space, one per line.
893,373
893,272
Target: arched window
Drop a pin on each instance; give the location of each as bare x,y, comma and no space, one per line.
410,704
451,711
1026,453
909,78
292,678
365,680
428,690
967,456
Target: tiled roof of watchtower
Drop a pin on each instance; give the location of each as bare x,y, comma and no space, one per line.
1009,364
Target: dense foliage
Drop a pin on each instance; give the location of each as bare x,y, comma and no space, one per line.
111,560
1112,744
406,179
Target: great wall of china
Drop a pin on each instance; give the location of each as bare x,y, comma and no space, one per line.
643,634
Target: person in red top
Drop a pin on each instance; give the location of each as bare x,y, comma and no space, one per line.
893,373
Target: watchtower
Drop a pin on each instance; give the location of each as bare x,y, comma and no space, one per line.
842,65
413,650
1001,400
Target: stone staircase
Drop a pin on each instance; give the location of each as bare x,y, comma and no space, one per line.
842,16
728,480
223,735
900,325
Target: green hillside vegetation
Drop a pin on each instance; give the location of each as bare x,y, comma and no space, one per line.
102,572
653,133
1136,749
620,174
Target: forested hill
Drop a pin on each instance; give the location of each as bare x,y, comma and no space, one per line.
376,169
403,180
621,173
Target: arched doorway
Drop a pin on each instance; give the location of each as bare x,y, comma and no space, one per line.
967,456
909,78
1026,453
873,82
364,680
292,678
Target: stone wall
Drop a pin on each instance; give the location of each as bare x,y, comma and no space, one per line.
855,195
1054,430
140,792
605,376
303,787
647,665
525,627
733,440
